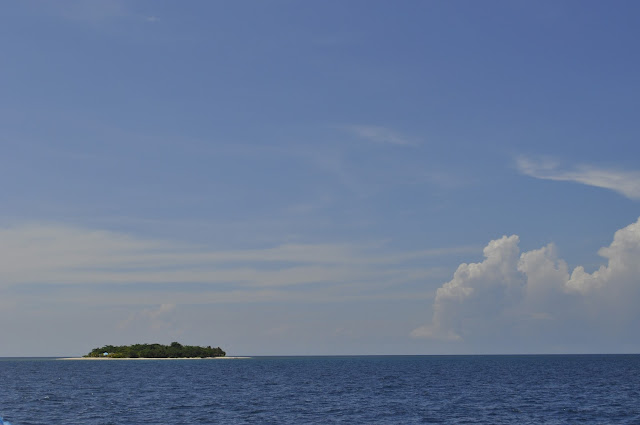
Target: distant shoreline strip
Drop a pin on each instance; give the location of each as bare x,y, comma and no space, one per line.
154,358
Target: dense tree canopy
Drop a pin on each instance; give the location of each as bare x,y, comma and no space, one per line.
155,351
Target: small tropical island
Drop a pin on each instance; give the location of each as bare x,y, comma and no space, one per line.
155,351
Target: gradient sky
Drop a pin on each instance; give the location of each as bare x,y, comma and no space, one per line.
334,177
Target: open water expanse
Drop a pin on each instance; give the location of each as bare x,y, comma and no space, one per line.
571,389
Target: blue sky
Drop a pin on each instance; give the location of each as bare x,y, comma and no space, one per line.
329,177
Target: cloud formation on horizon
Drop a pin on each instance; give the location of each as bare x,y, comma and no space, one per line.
627,183
153,271
510,289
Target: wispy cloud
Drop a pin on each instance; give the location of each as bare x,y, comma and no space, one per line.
157,318
379,135
38,256
93,10
626,183
96,11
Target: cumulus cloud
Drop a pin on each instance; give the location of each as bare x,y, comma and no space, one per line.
508,287
622,270
492,282
626,183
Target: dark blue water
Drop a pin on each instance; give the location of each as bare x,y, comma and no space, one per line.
324,390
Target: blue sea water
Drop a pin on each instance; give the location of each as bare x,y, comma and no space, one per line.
563,389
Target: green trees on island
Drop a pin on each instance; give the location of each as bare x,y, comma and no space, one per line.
156,351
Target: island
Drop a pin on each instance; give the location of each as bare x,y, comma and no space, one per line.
155,351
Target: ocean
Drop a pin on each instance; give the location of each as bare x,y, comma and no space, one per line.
535,389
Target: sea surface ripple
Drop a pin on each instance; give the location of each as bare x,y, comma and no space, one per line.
563,389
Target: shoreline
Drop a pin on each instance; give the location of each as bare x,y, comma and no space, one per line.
154,358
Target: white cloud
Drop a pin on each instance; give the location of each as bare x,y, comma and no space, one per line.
626,183
510,287
36,255
379,134
484,284
622,270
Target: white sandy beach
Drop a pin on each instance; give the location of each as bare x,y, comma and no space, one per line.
154,358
